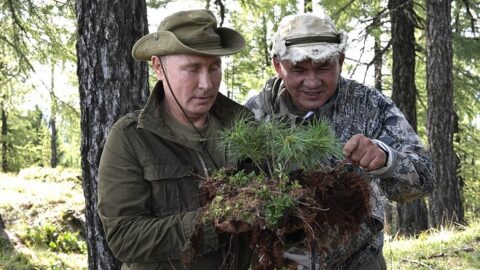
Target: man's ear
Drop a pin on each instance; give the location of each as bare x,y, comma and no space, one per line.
156,66
341,58
277,65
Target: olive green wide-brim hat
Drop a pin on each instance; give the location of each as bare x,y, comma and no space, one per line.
189,32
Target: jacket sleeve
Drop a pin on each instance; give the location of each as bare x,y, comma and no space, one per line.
133,233
411,174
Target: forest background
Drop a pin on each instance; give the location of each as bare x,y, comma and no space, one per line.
57,105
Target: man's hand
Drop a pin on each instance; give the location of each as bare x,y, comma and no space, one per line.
363,152
232,226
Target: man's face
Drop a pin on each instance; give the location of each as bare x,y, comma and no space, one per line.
310,84
194,79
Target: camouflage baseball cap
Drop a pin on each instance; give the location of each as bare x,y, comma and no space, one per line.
189,32
308,36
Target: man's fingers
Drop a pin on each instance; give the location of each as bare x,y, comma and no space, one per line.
233,226
351,145
366,159
363,152
377,162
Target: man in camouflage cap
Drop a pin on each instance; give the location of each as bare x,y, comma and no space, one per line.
308,53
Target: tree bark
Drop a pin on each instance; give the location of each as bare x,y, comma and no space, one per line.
4,139
378,64
53,121
412,216
111,83
445,204
53,142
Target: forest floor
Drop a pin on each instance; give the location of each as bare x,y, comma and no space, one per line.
43,214
43,211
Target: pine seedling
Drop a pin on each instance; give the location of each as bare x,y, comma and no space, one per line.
280,146
293,187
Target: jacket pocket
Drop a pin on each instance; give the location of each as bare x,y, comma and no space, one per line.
173,189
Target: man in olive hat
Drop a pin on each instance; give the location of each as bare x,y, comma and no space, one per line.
154,159
308,54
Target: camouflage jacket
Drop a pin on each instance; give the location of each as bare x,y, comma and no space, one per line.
357,109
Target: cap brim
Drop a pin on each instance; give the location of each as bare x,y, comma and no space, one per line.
316,52
166,43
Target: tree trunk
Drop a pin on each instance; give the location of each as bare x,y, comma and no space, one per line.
53,119
378,64
53,143
4,139
388,227
111,83
412,216
445,203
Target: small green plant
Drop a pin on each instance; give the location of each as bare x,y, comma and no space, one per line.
51,237
277,207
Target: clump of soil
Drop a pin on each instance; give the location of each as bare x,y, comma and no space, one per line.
303,206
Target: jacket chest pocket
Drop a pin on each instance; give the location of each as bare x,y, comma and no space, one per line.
173,189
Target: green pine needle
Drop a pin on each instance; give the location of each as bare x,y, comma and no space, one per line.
281,146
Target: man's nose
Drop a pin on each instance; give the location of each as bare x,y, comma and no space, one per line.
312,80
205,80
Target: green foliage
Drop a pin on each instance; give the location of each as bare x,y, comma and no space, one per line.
53,238
27,140
466,78
241,179
256,20
277,207
281,146
157,3
35,33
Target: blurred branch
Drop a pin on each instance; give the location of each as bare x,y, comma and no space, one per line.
14,16
342,9
472,18
18,51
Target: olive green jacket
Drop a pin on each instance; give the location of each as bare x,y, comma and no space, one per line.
148,192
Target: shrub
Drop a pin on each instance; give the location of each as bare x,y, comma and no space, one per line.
51,237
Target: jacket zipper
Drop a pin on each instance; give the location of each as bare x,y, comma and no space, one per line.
202,162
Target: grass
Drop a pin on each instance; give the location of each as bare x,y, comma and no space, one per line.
34,202
447,248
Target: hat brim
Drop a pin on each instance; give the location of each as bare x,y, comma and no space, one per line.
166,43
317,52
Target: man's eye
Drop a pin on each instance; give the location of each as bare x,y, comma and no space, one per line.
192,69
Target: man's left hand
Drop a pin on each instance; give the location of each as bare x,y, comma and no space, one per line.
232,226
